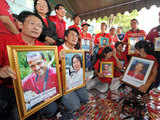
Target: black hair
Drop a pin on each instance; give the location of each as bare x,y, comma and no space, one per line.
135,20
105,51
70,29
76,15
118,43
77,56
24,14
147,46
58,5
49,8
112,28
15,16
120,27
103,23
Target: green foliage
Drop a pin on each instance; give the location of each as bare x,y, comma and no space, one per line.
24,67
119,20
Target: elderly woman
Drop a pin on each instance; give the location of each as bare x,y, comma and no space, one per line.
43,9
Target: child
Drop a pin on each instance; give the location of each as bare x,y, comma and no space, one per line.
102,83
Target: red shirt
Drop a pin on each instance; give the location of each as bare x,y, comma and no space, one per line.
153,34
131,33
123,58
138,76
76,27
37,85
87,36
60,25
10,40
114,39
97,38
4,11
97,67
45,21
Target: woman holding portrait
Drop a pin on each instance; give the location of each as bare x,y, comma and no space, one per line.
48,35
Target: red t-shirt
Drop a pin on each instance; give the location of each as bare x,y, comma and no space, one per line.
123,58
131,33
4,11
36,84
76,27
87,36
97,67
97,38
153,34
10,40
60,25
114,39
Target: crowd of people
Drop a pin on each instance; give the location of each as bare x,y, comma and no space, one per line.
39,28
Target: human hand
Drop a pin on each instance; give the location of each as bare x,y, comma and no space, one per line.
143,88
6,71
49,40
101,75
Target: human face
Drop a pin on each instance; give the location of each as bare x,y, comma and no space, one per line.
32,27
134,24
42,7
77,20
119,31
120,48
140,51
109,55
139,67
85,28
72,38
113,31
76,64
37,64
61,11
103,27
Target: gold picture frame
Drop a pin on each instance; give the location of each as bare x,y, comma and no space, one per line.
134,78
23,60
109,68
74,74
131,43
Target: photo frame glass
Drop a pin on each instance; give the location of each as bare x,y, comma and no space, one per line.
74,70
38,79
104,41
132,41
157,44
138,71
107,69
85,44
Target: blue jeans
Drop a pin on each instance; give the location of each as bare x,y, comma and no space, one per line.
72,101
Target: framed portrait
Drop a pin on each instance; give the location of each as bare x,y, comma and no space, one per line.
38,77
73,69
157,44
138,71
85,44
131,43
107,68
104,42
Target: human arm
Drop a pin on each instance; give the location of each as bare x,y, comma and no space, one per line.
9,24
150,80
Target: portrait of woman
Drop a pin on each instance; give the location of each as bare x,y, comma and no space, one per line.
75,77
107,69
